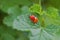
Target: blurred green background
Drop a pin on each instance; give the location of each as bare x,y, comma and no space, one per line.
10,9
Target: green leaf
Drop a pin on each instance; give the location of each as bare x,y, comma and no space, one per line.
52,12
48,33
36,8
57,35
57,38
23,22
40,34
13,13
52,16
9,20
52,28
25,9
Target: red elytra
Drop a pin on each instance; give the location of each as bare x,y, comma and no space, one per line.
34,19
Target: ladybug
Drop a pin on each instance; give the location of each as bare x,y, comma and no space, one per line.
33,18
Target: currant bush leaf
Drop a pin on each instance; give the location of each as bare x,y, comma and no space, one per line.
36,8
53,12
13,13
23,22
8,20
25,9
48,33
40,34
52,16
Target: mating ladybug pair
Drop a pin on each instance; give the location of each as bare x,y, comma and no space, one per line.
33,18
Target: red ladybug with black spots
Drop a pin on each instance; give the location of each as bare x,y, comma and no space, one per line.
33,18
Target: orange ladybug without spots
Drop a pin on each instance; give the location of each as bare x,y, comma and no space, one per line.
33,19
